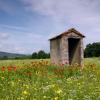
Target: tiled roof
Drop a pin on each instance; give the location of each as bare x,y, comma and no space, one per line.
68,32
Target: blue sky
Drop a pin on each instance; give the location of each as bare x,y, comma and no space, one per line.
26,25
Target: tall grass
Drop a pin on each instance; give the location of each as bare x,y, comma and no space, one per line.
40,80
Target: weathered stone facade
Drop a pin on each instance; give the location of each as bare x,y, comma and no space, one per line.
67,48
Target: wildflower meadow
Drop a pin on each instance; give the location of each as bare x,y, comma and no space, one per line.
40,80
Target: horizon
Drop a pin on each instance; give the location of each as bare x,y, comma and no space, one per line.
27,25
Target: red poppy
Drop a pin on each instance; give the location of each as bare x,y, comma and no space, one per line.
9,68
14,68
3,68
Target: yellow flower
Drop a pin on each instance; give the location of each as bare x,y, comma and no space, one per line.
19,80
25,92
59,91
22,98
44,97
12,83
55,98
53,85
2,77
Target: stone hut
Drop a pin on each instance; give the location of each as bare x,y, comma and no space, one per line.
67,48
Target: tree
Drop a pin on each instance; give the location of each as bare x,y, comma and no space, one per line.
40,55
92,50
34,55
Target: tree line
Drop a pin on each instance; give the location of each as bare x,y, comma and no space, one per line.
92,50
35,55
40,55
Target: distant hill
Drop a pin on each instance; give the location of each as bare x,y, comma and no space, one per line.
10,55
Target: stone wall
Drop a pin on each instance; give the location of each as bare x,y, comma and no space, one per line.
55,51
64,50
82,53
59,49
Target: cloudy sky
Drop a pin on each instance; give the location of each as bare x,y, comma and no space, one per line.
26,25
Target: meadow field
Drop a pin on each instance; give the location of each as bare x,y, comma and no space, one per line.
40,80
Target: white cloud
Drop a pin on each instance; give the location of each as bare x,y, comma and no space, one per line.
62,9
37,38
29,43
82,14
13,27
13,48
37,42
4,36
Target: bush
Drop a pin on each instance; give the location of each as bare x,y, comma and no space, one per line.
40,55
92,50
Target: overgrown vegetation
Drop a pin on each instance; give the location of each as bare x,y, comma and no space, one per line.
40,80
92,50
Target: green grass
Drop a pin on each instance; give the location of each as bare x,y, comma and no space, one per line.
36,80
